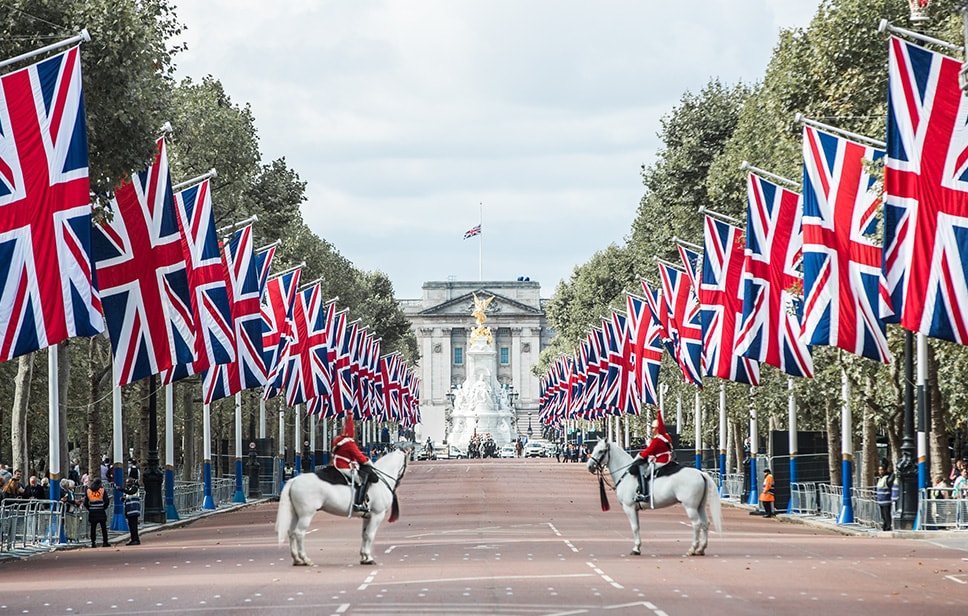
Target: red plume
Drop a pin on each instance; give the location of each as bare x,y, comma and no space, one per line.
348,429
660,426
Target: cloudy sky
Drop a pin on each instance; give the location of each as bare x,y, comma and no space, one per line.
405,117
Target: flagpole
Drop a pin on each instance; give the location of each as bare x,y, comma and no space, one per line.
480,248
81,37
212,173
745,166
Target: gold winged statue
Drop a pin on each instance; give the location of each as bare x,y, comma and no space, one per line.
481,331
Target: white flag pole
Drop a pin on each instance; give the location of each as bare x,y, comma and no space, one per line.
480,248
80,37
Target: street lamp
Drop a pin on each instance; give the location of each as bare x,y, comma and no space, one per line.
530,432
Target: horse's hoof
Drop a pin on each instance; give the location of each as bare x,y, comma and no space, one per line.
636,552
368,561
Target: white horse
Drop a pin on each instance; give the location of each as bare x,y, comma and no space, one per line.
689,486
307,493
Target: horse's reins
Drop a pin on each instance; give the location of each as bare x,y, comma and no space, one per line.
602,465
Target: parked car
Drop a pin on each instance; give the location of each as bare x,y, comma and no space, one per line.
448,452
508,451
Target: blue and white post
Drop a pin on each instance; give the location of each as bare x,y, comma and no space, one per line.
297,442
794,441
282,447
847,465
698,430
924,413
53,433
171,512
208,503
312,442
239,496
118,521
722,437
754,497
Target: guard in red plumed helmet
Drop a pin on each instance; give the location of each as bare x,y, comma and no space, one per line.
348,458
657,454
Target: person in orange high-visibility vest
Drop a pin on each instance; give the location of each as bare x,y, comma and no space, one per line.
347,457
768,496
96,501
657,454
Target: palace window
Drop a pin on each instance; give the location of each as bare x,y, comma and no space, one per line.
458,356
505,356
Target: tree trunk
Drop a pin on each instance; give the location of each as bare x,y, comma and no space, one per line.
18,420
91,457
940,463
869,461
833,441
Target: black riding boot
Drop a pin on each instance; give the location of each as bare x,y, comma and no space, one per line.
643,495
359,501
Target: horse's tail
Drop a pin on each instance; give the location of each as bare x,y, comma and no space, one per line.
394,508
284,513
715,505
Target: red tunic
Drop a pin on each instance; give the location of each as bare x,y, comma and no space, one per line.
346,451
660,448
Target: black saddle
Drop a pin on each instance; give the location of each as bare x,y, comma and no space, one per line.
669,469
331,474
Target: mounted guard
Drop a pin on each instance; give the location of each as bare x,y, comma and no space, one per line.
657,454
354,464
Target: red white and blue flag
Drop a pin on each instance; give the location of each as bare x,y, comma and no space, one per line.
277,305
721,303
842,282
684,324
308,374
772,285
143,276
245,292
926,186
212,310
476,230
646,345
47,293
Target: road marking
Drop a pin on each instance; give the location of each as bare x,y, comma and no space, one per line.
488,577
342,608
603,576
569,544
954,578
367,581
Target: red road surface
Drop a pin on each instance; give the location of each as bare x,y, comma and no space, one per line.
496,537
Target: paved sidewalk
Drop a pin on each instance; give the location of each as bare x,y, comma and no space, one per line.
116,537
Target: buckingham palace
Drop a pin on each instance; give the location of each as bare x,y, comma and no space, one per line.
442,321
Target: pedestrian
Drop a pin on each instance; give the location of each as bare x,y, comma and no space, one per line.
71,518
960,486
134,472
13,489
883,495
768,496
34,490
131,497
96,501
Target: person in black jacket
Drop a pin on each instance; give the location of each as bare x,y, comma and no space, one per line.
34,489
96,501
132,508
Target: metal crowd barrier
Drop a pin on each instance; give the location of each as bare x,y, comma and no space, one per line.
803,498
28,523
937,510
866,510
831,499
733,486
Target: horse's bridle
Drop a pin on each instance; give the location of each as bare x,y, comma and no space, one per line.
385,477
601,464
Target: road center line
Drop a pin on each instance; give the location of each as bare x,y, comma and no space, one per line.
604,577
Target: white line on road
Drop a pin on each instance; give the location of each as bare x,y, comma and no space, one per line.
367,581
604,577
342,608
488,578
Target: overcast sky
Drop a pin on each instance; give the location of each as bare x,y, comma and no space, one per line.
404,117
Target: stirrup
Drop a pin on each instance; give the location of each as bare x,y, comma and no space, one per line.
641,498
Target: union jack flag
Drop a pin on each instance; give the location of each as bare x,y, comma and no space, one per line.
622,398
143,277
308,374
842,279
772,286
472,232
212,314
280,297
646,348
684,324
390,375
721,304
926,185
47,293
659,310
245,288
